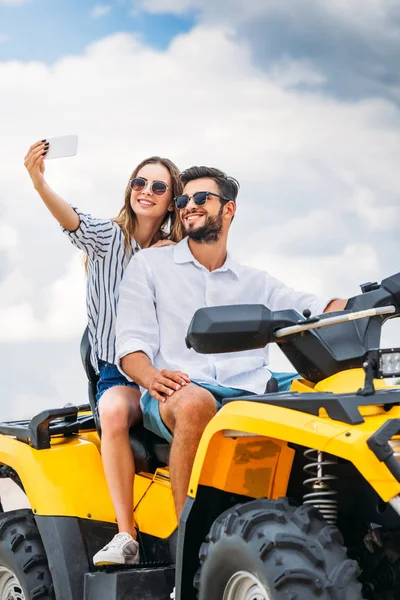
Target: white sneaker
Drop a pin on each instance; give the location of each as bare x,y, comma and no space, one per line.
122,550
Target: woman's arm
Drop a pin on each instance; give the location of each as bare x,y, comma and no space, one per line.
59,208
87,233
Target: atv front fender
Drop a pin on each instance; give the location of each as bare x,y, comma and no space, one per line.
244,448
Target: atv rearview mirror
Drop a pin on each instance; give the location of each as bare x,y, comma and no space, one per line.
234,328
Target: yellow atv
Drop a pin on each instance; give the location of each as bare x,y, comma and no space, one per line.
293,495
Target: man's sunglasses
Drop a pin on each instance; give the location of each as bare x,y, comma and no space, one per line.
158,188
199,198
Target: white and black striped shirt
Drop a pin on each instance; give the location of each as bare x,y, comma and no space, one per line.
104,243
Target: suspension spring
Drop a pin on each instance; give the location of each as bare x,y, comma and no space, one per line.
321,496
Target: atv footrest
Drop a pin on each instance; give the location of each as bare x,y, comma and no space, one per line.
138,583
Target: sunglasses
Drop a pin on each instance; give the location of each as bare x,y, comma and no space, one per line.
158,188
199,198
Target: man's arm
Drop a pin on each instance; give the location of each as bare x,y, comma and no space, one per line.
279,297
334,305
137,333
138,367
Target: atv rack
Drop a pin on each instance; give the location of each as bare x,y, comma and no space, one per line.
41,428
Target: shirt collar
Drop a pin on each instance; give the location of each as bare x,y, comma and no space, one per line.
182,254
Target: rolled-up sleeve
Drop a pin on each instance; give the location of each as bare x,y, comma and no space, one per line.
137,327
93,236
280,297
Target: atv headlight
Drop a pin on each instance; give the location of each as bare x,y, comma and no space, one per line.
389,363
382,363
395,445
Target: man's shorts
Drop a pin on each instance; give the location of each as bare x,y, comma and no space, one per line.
151,407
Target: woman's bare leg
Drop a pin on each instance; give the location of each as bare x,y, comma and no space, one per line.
119,409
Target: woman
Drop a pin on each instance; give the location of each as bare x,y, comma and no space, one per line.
148,217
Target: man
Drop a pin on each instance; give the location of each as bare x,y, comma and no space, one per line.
159,295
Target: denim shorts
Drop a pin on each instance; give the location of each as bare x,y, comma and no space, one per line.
151,407
109,377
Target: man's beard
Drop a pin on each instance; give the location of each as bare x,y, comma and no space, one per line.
210,232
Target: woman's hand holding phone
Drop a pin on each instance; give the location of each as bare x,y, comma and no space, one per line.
34,163
59,208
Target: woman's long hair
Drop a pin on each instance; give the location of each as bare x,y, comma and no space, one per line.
171,227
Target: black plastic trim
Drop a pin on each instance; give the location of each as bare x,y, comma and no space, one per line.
195,522
154,583
51,422
340,407
379,444
71,542
66,551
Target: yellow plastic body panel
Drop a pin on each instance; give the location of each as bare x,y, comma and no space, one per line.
277,423
341,383
302,385
250,466
155,514
67,479
346,382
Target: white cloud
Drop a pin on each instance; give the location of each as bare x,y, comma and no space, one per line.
8,236
64,302
291,73
359,12
100,10
353,46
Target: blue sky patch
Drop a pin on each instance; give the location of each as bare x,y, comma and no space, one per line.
46,30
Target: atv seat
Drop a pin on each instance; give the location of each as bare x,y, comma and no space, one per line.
149,450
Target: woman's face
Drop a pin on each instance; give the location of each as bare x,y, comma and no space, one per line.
144,202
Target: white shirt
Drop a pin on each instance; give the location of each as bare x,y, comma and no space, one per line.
162,289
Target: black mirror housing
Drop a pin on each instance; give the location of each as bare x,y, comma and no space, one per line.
234,328
392,285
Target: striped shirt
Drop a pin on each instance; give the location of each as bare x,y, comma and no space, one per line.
103,241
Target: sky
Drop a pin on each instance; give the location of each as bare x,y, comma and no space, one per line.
298,101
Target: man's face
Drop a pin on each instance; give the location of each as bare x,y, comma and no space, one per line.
203,223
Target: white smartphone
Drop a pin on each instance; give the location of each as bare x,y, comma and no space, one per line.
62,146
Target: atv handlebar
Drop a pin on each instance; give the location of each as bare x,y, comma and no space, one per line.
236,328
316,324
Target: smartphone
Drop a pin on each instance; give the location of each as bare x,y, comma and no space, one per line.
62,146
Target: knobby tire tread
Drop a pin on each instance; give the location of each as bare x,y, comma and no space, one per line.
292,550
23,553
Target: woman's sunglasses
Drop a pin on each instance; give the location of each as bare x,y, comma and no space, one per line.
158,188
199,198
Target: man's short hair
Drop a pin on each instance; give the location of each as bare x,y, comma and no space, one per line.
228,186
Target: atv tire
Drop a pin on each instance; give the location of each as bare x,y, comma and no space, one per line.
269,550
24,571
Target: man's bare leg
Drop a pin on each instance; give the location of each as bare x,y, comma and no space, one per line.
186,413
119,409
